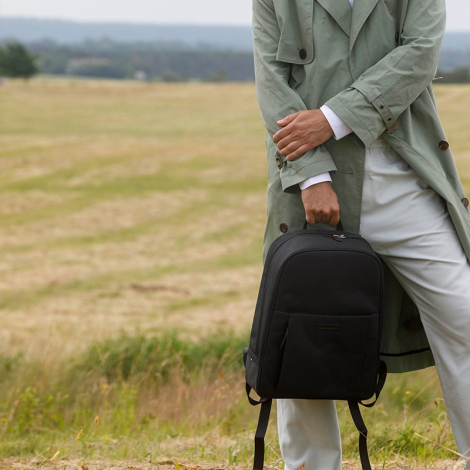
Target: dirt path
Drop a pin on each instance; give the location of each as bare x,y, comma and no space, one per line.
23,464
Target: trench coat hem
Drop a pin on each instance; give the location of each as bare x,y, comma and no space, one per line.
409,362
290,178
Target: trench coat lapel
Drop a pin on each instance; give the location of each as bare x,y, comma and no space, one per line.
340,10
361,11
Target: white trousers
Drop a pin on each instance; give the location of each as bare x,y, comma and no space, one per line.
406,223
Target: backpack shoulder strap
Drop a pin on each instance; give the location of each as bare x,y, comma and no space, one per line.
359,422
260,433
380,384
361,427
263,422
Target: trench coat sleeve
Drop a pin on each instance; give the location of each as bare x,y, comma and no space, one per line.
374,102
277,99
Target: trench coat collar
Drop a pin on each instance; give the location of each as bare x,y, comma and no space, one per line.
360,12
341,11
350,20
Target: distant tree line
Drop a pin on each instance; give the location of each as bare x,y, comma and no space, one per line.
151,61
169,62
460,75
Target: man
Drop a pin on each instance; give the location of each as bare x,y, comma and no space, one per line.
345,94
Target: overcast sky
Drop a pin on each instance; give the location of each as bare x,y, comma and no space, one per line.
172,11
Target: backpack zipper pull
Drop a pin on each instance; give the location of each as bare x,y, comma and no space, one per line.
339,238
284,340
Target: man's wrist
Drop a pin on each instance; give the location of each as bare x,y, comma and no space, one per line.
321,178
340,128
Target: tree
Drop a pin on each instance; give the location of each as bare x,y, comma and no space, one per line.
17,62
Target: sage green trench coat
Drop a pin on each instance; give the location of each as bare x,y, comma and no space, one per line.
375,72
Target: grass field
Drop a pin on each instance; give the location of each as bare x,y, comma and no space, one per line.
131,227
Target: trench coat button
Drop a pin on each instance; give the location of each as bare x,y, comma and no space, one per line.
279,161
465,202
443,145
392,128
283,227
397,36
303,54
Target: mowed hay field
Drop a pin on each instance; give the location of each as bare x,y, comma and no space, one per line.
131,221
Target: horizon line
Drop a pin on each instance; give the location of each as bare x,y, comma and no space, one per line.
147,23
132,22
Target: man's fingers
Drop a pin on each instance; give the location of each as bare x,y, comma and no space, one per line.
319,217
310,217
289,147
300,150
293,145
287,127
284,121
282,134
334,220
285,142
308,127
322,217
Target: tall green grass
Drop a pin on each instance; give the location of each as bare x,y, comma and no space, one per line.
132,396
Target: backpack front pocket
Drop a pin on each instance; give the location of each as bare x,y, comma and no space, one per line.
334,355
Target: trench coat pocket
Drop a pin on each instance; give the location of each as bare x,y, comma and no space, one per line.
296,28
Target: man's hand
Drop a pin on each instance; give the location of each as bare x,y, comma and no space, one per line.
321,204
301,132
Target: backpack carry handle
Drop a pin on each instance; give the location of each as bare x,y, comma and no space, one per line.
339,227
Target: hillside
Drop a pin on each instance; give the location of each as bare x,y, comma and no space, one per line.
222,37
70,32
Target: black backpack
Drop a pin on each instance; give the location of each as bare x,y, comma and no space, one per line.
317,326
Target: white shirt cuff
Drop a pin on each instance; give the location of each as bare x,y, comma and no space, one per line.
340,128
315,180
